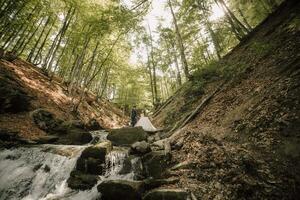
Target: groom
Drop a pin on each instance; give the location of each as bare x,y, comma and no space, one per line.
133,116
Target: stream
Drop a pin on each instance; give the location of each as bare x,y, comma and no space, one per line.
41,172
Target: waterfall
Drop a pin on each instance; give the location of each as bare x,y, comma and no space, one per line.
41,172
32,173
115,163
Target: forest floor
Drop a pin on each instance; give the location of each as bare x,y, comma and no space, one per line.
245,142
52,96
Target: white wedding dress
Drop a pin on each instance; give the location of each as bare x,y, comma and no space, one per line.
146,124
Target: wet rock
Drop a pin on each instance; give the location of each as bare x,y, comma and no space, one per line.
47,139
81,181
133,164
78,136
155,163
93,125
98,151
166,194
127,166
89,165
13,157
154,183
37,167
120,189
92,159
47,168
140,148
126,136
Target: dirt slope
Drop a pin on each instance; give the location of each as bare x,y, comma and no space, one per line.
245,142
52,96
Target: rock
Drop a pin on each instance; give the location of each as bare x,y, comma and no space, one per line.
98,151
47,168
89,165
37,167
45,120
71,132
93,125
178,144
13,98
155,163
120,189
166,194
140,148
81,181
47,139
133,164
9,139
154,183
126,136
92,159
78,136
127,166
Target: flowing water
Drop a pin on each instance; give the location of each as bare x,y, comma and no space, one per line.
41,172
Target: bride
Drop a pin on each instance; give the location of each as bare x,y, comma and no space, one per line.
146,124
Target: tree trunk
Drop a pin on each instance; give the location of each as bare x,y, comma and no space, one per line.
30,38
43,43
58,39
180,44
154,82
249,27
31,54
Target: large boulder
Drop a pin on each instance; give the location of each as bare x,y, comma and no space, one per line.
46,139
45,120
155,163
166,194
10,139
70,132
126,136
120,189
140,148
92,159
13,98
89,166
77,136
81,181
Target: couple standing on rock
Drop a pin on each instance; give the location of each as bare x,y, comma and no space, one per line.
143,121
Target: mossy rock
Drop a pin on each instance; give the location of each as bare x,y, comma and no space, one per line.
155,163
126,136
120,189
82,181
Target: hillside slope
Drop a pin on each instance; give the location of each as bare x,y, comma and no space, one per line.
22,77
244,141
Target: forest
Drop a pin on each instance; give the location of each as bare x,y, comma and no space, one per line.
88,44
149,99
